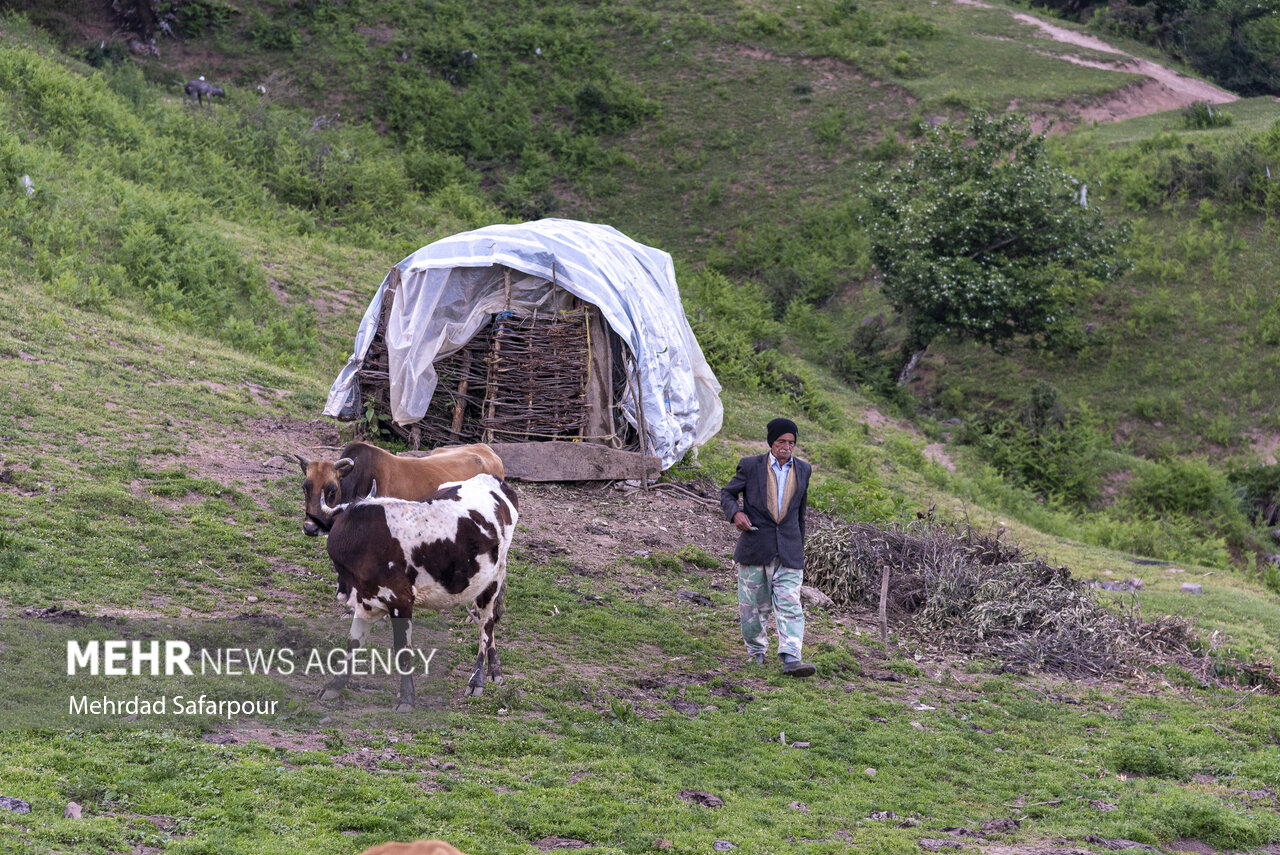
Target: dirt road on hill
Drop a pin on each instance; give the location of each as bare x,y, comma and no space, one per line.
1158,88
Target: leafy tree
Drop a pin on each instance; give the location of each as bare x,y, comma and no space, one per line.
979,236
1235,42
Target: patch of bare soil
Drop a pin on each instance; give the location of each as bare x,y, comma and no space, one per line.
1034,848
373,760
1162,88
259,451
593,526
272,738
1265,445
935,451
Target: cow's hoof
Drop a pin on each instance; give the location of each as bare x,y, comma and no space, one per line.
497,681
404,708
330,694
475,691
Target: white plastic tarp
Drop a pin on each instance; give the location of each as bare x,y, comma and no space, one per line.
449,289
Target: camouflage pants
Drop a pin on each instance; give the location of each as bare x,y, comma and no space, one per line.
770,589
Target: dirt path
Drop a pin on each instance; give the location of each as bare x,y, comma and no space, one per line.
1162,88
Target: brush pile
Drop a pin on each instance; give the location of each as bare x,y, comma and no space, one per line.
976,593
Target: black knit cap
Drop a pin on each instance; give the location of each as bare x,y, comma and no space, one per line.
778,427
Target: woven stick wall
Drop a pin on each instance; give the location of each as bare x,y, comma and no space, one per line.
518,379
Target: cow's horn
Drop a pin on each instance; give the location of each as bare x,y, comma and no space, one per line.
303,462
343,466
373,489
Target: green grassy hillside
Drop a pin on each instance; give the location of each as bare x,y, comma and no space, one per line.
181,285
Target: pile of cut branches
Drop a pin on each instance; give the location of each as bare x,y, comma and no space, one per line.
980,594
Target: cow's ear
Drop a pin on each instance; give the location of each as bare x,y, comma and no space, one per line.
303,462
343,466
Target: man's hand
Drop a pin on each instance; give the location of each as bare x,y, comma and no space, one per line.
743,522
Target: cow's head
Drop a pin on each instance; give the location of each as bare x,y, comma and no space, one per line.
321,483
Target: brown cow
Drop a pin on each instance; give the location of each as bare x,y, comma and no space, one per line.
412,478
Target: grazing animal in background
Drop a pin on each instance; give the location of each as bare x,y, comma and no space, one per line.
412,478
198,90
393,555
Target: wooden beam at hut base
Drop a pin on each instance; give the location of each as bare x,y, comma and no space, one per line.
568,461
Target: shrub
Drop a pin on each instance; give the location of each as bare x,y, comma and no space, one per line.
431,170
1052,451
866,501
610,106
981,236
1182,487
1172,538
129,83
273,33
1269,327
853,459
912,26
196,17
1258,488
830,129
105,53
1230,171
1201,114
1157,406
733,324
887,149
1271,578
12,162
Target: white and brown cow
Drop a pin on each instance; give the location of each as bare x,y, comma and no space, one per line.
413,478
393,555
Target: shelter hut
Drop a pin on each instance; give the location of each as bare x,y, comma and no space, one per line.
561,343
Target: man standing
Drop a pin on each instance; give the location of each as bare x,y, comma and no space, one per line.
770,552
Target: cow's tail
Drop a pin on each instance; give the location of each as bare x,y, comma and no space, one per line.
510,494
499,602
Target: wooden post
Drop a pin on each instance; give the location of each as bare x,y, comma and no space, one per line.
884,601
495,355
460,407
640,424
388,298
529,394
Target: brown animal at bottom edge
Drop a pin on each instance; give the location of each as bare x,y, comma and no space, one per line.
417,847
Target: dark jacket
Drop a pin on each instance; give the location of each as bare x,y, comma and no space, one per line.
782,539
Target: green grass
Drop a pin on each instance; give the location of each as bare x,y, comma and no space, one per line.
987,743
145,453
1249,115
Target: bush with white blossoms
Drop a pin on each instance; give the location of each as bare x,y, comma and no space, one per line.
980,236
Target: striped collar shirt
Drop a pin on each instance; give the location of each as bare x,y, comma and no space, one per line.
780,473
